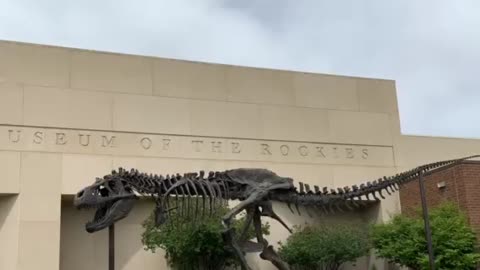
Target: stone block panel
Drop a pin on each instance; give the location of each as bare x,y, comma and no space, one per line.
292,123
262,86
227,119
325,91
11,103
39,245
360,128
78,249
111,72
131,254
377,96
40,187
174,78
151,114
57,107
395,125
34,64
79,171
417,150
10,168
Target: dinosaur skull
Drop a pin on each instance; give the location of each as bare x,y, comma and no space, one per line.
112,198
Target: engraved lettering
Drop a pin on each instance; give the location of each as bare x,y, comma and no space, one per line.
197,146
217,147
284,149
349,152
38,137
364,153
303,150
265,149
236,148
320,152
15,139
146,143
335,153
343,153
108,141
61,138
82,141
166,144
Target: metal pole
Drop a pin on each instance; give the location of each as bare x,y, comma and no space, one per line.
428,232
111,247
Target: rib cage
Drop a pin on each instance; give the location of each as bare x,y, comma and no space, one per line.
211,188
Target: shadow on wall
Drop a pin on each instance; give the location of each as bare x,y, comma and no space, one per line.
360,217
81,250
9,226
6,204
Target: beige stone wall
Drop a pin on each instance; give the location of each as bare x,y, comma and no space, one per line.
68,115
79,250
9,230
421,149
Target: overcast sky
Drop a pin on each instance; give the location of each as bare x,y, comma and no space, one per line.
430,47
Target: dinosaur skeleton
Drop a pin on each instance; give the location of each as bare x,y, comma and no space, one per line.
114,195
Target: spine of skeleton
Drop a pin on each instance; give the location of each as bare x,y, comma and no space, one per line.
191,192
348,198
213,190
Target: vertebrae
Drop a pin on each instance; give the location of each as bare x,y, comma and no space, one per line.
218,187
149,184
212,189
357,195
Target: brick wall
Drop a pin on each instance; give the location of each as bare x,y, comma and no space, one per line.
470,174
462,186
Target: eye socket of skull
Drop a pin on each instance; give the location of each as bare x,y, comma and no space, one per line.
103,191
111,197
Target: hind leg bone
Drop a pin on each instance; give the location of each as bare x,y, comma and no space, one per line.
229,233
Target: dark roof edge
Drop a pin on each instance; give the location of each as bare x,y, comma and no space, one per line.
475,162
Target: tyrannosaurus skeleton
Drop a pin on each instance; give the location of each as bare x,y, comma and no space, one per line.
114,195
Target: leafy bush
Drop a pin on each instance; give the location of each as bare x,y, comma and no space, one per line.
194,242
324,247
402,240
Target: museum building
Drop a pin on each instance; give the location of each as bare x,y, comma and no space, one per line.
69,115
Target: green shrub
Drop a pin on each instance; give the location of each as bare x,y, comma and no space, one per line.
324,247
194,242
402,240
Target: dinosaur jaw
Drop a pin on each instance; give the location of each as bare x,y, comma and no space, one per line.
101,219
108,213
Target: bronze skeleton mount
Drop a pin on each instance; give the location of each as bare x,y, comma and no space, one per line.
114,196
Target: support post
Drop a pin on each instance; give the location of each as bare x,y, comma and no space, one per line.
111,247
428,232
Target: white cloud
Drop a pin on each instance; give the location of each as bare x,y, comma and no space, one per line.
430,47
